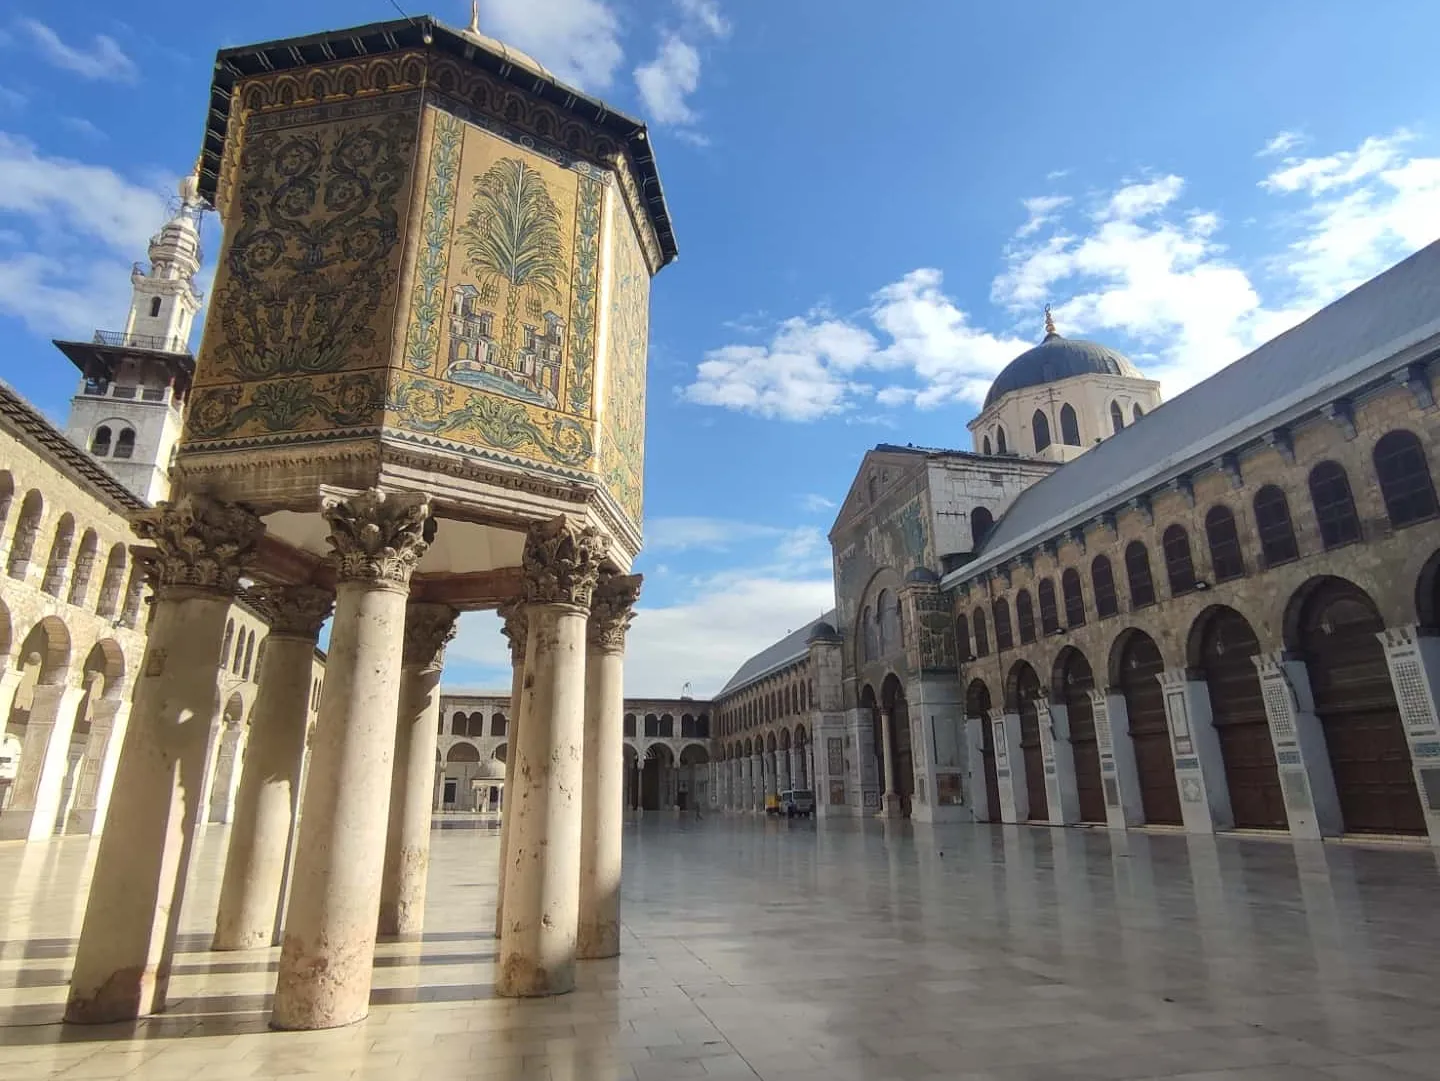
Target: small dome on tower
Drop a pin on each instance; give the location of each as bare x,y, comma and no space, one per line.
1058,358
189,188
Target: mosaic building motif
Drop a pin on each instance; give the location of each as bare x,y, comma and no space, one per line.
302,287
500,344
622,458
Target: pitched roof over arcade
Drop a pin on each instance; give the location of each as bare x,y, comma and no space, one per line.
1385,325
772,658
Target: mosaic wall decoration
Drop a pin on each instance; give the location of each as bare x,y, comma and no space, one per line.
622,459
499,347
300,327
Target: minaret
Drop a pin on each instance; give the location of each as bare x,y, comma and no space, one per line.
129,409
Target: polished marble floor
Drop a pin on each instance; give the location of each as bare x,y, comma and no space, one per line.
848,951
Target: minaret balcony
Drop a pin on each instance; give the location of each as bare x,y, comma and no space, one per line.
123,340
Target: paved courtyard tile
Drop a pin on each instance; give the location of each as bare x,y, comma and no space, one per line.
797,951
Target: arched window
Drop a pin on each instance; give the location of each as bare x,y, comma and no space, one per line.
1272,522
1137,569
239,652
154,307
100,441
1179,565
249,655
125,443
1224,541
985,445
1049,609
498,724
1334,505
59,562
888,611
982,639
457,725
629,726
1102,581
229,637
114,582
1040,426
1025,616
962,637
1069,426
1404,478
1004,639
872,488
1136,412
27,531
1000,447
134,597
1074,594
1117,418
84,567
869,647
981,522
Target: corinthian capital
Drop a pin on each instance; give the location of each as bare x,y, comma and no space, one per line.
428,628
515,628
201,543
378,536
293,610
612,610
562,562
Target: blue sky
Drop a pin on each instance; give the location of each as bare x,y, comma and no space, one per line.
873,203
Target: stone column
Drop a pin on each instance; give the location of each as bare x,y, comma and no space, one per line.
417,732
1302,756
122,963
783,760
1059,758
890,798
757,781
329,940
516,632
602,816
270,783
1010,766
541,912
1195,746
1413,654
1119,775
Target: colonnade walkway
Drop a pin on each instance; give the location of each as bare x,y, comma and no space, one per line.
797,950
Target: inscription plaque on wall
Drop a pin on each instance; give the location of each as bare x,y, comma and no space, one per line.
949,789
835,755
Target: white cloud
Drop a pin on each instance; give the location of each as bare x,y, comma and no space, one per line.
706,14
86,224
81,126
104,59
579,40
814,503
681,534
668,80
1042,210
1281,143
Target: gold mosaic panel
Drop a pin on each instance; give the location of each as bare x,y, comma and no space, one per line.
622,441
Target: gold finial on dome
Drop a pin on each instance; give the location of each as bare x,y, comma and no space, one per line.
1049,322
474,16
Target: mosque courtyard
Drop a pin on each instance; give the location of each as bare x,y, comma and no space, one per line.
799,951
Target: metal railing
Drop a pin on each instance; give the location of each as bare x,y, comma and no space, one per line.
140,341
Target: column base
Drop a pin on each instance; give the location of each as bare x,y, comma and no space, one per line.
598,940
521,977
127,995
889,806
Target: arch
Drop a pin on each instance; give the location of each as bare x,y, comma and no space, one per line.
47,646
1049,609
249,655
1069,426
463,752
27,530
1275,529
100,441
962,638
1221,647
7,631
1336,631
1136,412
84,568
59,561
667,726
1334,505
887,611
661,753
985,445
502,749
1136,667
108,604
7,496
978,705
1117,418
1226,559
498,725
125,443
106,661
1404,477
1004,639
652,726
1179,564
1071,682
870,647
687,726
981,523
694,754
1073,591
1022,691
892,697
769,742
1040,430
629,729
784,740
457,724
154,307
1025,616
982,639
1000,446
1137,571
1102,581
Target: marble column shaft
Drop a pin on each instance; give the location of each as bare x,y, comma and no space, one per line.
517,633
327,950
541,906
122,963
428,627
602,797
270,782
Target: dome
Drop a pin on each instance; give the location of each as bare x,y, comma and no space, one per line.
822,632
923,575
1058,358
511,54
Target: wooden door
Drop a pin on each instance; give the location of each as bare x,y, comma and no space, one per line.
1150,732
1238,707
1085,748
